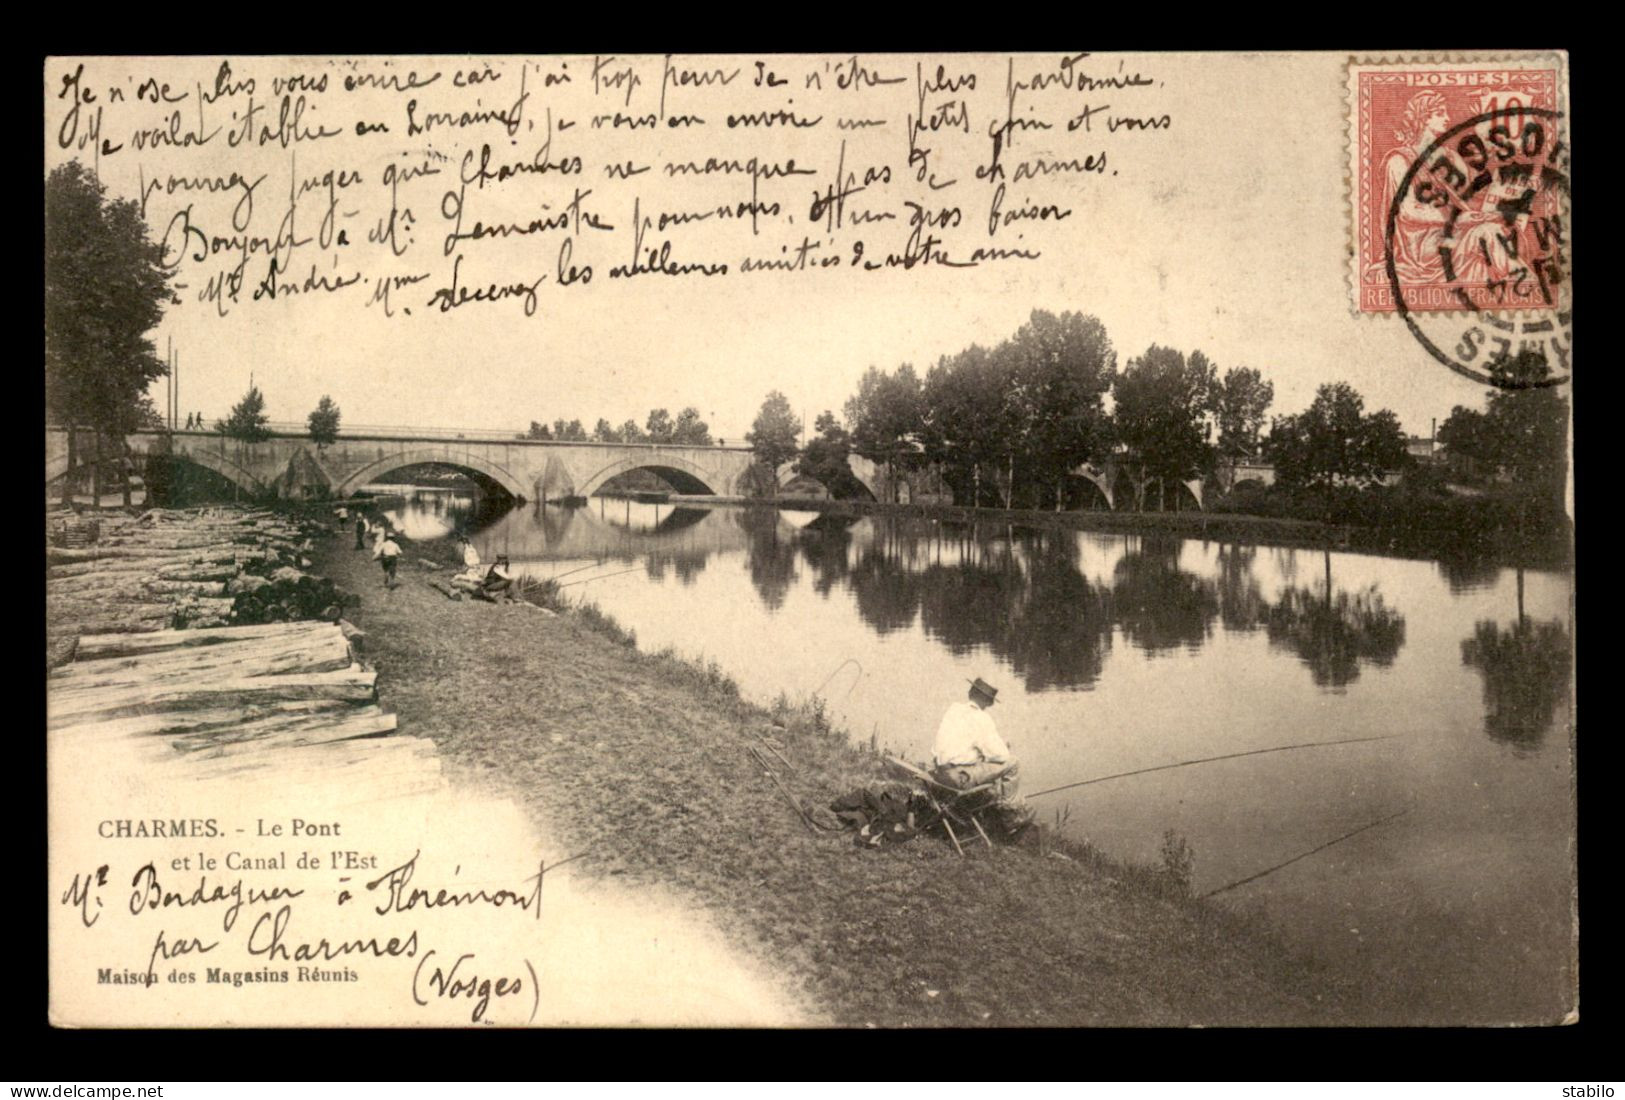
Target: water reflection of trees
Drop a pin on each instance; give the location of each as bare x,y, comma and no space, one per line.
1334,632
1466,574
1021,595
1063,625
826,549
886,591
1158,605
771,555
1241,602
1526,674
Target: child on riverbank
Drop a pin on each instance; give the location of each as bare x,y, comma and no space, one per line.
388,553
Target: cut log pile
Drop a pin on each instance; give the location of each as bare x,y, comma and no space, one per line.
221,701
176,568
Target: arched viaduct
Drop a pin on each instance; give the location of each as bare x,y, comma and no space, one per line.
537,470
532,470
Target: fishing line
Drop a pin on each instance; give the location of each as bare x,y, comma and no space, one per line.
577,569
1305,855
603,576
1210,759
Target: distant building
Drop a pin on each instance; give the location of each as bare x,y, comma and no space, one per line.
1420,447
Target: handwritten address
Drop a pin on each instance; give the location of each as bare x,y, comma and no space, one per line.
272,931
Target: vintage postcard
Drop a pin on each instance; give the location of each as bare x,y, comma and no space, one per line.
858,540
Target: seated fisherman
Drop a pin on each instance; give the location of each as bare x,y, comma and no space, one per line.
498,580
968,749
969,752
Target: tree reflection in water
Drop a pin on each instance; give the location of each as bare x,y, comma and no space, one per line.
825,544
772,557
1159,605
1526,673
1063,625
1468,574
1241,602
1334,633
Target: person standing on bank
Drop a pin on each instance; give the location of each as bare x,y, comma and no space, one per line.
360,531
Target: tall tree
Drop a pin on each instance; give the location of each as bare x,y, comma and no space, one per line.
105,288
1239,404
886,415
1522,432
773,436
569,431
538,430
1335,442
1060,370
659,426
1161,403
604,432
324,423
690,429
631,433
969,419
248,420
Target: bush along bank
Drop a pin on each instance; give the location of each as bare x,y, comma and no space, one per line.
654,768
1416,519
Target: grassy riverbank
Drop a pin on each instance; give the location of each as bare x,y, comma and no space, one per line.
640,763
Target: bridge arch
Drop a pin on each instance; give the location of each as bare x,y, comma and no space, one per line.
438,456
218,463
1100,479
786,473
690,477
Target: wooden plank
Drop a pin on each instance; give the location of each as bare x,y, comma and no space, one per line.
92,646
323,653
280,736
76,707
192,721
233,649
112,566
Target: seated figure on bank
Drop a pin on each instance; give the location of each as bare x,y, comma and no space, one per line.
498,581
969,753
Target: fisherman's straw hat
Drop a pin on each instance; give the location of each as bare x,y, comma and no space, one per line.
985,689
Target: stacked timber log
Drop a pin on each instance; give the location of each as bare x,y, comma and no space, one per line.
221,701
175,568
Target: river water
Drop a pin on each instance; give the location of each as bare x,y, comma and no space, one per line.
1114,653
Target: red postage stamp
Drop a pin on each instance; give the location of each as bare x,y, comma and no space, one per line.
1458,185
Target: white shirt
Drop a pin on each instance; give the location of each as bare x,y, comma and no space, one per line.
967,735
388,549
471,556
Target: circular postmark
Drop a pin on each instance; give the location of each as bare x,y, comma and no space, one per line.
1486,206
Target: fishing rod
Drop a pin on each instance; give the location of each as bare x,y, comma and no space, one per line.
1211,759
1306,855
534,581
603,576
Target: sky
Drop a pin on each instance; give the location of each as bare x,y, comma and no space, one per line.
1226,229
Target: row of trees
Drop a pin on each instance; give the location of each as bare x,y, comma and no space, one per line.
686,428
1521,434
249,422
1012,423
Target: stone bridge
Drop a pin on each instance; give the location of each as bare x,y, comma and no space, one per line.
531,470
289,465
1119,486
